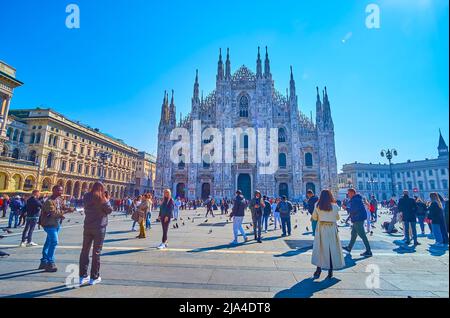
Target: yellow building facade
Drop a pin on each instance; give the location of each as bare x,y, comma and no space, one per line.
44,148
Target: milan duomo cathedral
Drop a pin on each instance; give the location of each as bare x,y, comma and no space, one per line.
306,150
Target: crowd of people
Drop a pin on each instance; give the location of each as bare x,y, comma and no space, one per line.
49,212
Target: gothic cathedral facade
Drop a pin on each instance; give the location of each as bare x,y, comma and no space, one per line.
306,150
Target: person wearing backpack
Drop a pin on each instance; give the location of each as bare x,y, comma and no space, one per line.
285,208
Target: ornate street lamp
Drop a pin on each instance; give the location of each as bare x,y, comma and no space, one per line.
103,156
389,154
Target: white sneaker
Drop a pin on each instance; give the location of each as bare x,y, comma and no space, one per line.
161,246
23,244
32,244
84,280
93,282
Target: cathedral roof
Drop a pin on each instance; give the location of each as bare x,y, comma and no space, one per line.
244,74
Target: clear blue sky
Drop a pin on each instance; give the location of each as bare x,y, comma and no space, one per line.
388,87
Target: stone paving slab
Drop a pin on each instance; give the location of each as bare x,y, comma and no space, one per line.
202,264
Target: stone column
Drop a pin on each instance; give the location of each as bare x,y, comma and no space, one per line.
4,114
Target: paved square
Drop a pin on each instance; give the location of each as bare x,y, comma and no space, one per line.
201,263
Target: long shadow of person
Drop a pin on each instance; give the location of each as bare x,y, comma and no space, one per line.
295,252
41,293
307,288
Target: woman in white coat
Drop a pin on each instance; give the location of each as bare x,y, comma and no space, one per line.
327,250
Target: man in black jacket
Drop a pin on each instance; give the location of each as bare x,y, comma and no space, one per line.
408,207
33,211
238,213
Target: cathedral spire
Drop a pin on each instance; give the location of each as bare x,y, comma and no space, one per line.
220,67
318,109
292,85
259,65
195,98
165,112
267,73
327,119
173,110
228,66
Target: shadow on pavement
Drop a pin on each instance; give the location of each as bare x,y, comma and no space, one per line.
118,232
307,288
350,261
20,274
113,253
41,293
295,252
219,247
118,240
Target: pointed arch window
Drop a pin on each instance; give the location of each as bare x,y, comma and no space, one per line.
308,159
243,107
281,135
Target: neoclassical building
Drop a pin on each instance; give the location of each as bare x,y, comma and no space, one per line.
418,177
244,99
145,173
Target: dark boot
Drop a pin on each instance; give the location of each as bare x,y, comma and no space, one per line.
317,273
51,268
330,274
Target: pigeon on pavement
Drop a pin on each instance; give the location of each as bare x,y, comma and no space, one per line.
3,254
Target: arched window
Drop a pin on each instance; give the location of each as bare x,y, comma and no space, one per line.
55,141
32,156
50,160
206,161
22,136
282,162
38,138
311,186
308,159
243,107
16,135
16,153
181,164
281,135
32,138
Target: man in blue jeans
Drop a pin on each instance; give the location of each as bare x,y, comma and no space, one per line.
16,207
52,215
285,208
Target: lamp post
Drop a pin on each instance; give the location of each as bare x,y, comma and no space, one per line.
103,156
372,183
389,154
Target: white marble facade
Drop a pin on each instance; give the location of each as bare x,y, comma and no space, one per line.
307,157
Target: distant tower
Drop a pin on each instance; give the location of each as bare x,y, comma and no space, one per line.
442,148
